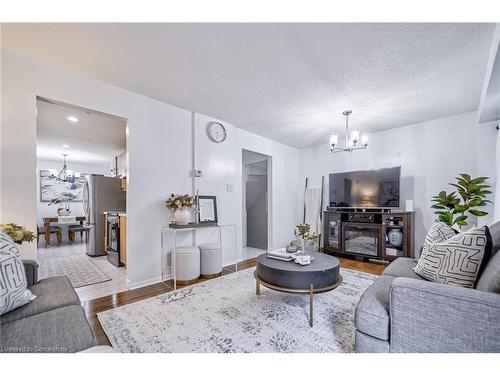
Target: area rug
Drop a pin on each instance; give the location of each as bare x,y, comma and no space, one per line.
80,270
225,315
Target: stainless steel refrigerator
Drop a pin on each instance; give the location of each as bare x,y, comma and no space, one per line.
100,194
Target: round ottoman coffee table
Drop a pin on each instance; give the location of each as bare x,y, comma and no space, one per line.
322,275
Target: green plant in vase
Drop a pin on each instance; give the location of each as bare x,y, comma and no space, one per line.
457,206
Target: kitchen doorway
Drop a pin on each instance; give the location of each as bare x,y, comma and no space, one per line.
81,181
256,191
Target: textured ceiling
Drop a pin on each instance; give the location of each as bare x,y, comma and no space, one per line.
288,82
95,139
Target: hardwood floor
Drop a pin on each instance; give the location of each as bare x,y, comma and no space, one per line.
119,299
368,267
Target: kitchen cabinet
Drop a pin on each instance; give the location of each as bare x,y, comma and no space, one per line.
120,165
123,239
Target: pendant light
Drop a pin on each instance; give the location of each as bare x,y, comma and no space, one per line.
351,138
63,173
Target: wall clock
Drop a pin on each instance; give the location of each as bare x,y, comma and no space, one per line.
217,132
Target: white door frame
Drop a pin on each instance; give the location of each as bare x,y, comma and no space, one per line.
269,202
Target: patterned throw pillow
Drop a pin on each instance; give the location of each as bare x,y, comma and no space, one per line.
453,258
13,292
438,232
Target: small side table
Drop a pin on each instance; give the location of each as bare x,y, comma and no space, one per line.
172,232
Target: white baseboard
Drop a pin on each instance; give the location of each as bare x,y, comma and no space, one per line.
143,283
230,263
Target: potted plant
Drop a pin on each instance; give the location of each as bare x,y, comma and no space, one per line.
306,240
18,233
181,204
454,208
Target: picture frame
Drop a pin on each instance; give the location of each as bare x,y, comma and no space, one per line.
66,191
208,208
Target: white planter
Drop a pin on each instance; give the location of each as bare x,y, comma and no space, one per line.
182,216
63,211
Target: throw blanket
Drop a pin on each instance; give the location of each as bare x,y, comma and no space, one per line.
312,201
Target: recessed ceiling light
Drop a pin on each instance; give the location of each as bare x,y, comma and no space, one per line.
65,146
72,119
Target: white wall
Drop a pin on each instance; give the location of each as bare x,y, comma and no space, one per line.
1,127
285,186
158,151
43,209
486,146
221,165
496,212
159,146
431,154
160,159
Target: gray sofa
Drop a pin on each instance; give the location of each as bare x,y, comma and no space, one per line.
402,312
53,322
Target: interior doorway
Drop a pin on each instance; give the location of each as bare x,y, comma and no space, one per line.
81,197
256,203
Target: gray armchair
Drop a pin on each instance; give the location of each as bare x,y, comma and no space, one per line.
402,312
31,269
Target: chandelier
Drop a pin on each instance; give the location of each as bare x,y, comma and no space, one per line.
351,139
64,175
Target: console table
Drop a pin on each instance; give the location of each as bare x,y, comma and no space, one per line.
169,251
366,235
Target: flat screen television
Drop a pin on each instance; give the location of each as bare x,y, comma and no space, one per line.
366,189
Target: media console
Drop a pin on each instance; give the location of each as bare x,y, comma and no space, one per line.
368,235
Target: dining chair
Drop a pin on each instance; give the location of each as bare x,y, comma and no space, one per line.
53,229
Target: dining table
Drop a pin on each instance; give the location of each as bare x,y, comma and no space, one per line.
55,219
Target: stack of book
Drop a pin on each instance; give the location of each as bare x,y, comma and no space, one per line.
280,254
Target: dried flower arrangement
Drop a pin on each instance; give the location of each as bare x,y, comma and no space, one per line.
303,231
18,233
55,201
180,201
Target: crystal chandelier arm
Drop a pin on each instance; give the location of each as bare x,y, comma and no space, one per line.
63,174
358,148
339,149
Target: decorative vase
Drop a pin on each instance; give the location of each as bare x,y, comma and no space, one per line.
182,216
308,246
395,237
64,211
